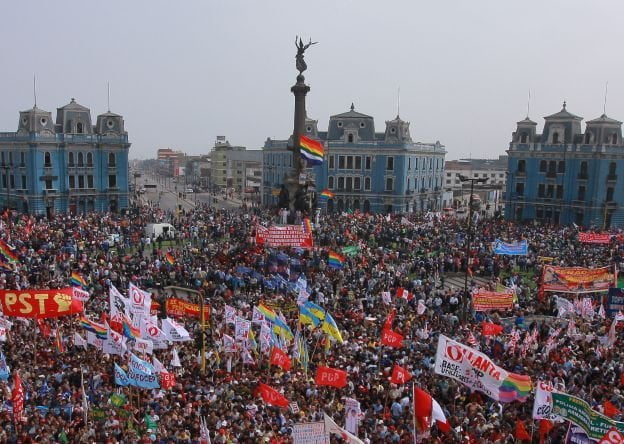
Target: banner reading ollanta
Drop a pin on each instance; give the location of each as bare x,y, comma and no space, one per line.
483,300
284,236
477,371
513,249
179,307
577,411
39,303
577,279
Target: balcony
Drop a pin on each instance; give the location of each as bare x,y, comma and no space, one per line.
583,176
612,178
551,175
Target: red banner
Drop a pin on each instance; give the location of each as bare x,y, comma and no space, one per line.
577,279
483,300
490,329
284,236
594,238
400,375
391,338
271,396
279,358
613,436
17,398
331,376
167,380
179,307
39,303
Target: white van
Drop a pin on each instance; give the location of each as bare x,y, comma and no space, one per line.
167,231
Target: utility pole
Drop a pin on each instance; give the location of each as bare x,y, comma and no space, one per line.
202,328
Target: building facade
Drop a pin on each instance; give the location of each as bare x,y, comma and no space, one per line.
366,170
219,162
566,175
170,163
68,166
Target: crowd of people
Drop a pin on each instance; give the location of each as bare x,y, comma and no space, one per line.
214,253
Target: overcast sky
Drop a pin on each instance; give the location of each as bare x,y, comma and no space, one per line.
183,72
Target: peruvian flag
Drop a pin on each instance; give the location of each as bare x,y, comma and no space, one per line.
389,320
331,376
490,329
271,396
279,358
391,338
404,294
400,375
425,407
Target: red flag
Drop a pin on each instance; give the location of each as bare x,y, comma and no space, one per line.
613,436
167,380
389,320
490,329
610,410
44,328
400,375
37,303
521,432
391,338
404,294
423,407
58,341
18,398
545,426
331,376
271,396
279,358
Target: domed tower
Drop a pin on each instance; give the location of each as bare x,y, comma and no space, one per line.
561,127
35,120
603,130
110,124
73,118
525,131
397,131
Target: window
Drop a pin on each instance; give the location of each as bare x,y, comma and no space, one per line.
80,159
581,193
523,138
522,166
588,137
416,163
22,159
610,194
90,181
331,162
389,183
72,182
79,128
520,189
555,137
111,159
550,191
350,138
552,166
10,158
613,138
583,169
12,180
357,183
358,162
70,159
112,181
340,183
408,184
341,162
541,190
349,162
559,191
561,167
47,160
539,213
330,182
448,182
81,183
612,168
367,183
367,163
409,163
349,183
24,185
390,163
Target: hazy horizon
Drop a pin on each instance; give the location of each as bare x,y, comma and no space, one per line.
183,73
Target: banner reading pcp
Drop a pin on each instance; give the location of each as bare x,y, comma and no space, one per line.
39,303
477,371
483,300
577,411
284,236
577,279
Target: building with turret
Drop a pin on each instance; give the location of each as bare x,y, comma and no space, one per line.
366,170
66,166
566,174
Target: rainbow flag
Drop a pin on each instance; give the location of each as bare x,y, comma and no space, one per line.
9,253
129,330
307,226
58,341
326,194
99,329
335,260
77,280
515,388
169,258
311,150
268,314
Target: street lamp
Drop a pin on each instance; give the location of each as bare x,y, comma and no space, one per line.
472,180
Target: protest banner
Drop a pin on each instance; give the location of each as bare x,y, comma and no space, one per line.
613,436
579,412
483,300
542,406
594,238
615,301
39,303
577,435
284,236
310,433
511,249
577,279
179,307
477,371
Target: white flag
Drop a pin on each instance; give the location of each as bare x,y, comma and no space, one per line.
79,341
242,329
93,340
601,312
257,317
386,297
140,301
332,427
175,360
230,315
158,367
115,344
174,331
144,346
421,307
118,303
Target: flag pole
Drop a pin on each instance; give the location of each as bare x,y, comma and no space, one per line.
414,408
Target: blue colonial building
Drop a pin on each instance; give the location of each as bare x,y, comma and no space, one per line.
68,166
566,175
366,170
